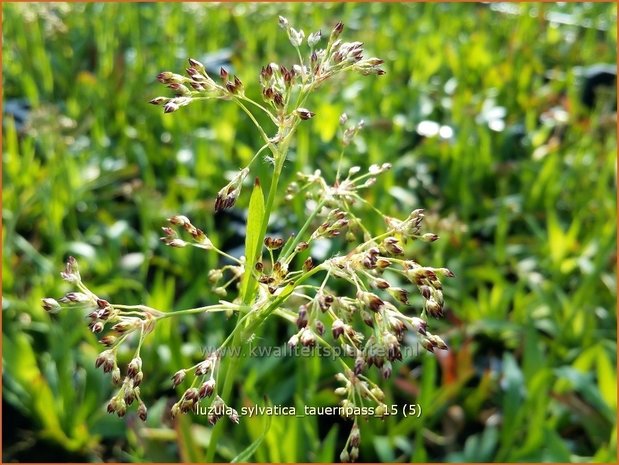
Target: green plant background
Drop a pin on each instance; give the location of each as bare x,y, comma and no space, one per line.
526,215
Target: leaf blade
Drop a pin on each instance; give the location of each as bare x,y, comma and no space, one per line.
246,454
255,216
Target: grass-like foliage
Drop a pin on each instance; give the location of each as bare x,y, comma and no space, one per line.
295,268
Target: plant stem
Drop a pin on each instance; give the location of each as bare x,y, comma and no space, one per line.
291,245
231,365
281,298
253,118
280,157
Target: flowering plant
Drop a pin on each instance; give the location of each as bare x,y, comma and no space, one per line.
277,276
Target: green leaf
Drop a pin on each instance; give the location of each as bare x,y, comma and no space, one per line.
327,451
249,451
255,217
188,448
555,448
607,378
384,448
21,365
513,386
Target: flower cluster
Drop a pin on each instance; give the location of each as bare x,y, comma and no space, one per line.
377,302
204,377
130,388
358,387
362,302
325,63
121,322
201,85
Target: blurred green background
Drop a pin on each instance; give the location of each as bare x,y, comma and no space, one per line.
496,122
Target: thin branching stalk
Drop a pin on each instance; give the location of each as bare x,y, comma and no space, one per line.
273,283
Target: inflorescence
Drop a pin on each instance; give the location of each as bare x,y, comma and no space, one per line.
368,321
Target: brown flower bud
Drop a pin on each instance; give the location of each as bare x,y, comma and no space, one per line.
308,339
192,394
437,341
337,30
165,77
75,297
302,318
159,100
425,291
304,113
368,319
197,65
268,93
434,308
400,294
207,388
96,327
373,251
203,367
121,408
355,436
278,99
104,313
359,365
429,237
369,262
213,418
419,325
142,412
129,396
301,246
386,370
446,272
393,347
134,367
238,85
186,405
391,245
427,344
50,305
170,107
273,243
337,328
231,87
234,416
178,378
179,220
116,376
227,196
371,300
107,360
